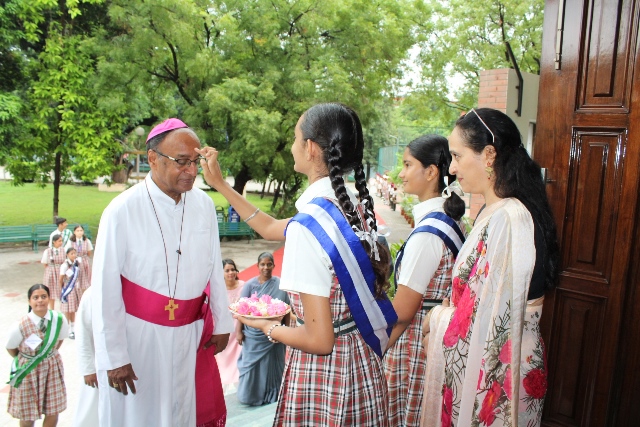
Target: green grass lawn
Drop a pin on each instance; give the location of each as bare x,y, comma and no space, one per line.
29,204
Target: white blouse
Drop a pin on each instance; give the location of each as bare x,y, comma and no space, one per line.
423,252
306,266
15,337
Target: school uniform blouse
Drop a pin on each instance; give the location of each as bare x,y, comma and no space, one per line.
423,251
306,267
15,337
71,244
46,257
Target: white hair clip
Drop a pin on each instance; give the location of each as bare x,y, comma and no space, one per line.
454,187
370,235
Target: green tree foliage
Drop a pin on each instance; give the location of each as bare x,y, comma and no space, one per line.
458,39
241,72
49,113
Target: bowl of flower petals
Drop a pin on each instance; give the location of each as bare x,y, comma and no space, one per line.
263,307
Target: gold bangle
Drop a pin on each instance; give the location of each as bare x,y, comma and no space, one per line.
252,215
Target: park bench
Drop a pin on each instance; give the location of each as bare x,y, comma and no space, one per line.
41,232
232,229
16,233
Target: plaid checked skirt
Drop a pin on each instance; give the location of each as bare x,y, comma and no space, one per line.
73,299
405,363
84,276
43,390
345,388
405,367
52,272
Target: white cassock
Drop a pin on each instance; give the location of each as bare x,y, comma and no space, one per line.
87,410
163,358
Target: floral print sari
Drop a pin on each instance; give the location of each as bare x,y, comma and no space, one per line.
485,351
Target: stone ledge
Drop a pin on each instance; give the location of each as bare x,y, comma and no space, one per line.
113,188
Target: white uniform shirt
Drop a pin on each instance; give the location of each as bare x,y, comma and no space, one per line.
46,255
305,265
423,251
66,266
71,244
15,337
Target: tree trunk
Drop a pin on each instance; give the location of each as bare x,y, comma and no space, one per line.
263,188
276,196
241,179
56,184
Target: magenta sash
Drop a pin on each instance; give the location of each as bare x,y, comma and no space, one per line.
211,410
150,306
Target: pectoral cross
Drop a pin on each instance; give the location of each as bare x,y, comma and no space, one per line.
171,307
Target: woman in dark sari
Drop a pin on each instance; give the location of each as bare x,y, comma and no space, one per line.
261,362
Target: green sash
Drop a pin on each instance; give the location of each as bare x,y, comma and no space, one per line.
18,373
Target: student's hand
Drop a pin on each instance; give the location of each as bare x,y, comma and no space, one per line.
122,377
210,167
262,324
220,342
240,337
91,380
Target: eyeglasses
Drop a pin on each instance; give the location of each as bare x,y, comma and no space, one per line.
183,163
493,137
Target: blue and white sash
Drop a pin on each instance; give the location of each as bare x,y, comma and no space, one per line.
374,317
71,283
440,224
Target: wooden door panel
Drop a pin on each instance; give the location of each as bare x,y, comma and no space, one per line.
575,356
607,63
594,179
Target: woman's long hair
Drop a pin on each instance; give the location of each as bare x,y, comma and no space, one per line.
337,130
434,150
517,175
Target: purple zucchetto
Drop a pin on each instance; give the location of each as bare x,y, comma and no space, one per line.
167,125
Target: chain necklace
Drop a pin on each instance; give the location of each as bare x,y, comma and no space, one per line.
172,306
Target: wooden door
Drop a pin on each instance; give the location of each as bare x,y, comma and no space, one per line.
588,136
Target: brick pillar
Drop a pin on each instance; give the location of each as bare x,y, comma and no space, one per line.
493,89
492,94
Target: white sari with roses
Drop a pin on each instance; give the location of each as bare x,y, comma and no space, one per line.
485,351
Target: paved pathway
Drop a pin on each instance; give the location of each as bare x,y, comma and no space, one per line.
20,268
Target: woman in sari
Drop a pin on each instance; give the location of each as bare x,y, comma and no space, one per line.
486,362
336,273
228,358
261,361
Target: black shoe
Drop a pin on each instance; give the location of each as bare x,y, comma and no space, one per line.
72,336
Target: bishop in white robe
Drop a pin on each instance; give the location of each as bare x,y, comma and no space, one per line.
134,230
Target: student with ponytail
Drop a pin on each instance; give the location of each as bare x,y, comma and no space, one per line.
422,270
333,371
485,358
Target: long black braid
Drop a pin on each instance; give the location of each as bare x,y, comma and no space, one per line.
337,130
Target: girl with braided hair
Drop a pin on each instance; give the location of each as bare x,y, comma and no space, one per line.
422,271
336,274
